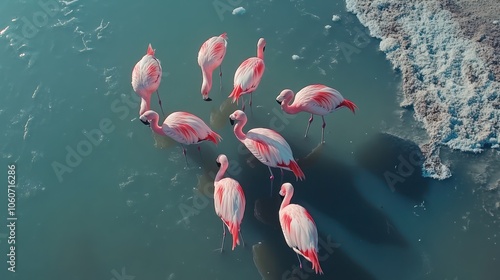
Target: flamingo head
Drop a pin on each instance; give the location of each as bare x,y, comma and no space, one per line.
205,89
286,188
286,95
221,159
261,44
238,115
148,117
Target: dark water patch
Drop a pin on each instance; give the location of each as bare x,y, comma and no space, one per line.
330,188
397,162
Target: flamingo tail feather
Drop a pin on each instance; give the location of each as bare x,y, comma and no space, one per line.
214,137
312,256
349,104
235,233
296,170
236,93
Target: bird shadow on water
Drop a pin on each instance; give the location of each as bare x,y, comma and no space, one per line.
397,162
330,189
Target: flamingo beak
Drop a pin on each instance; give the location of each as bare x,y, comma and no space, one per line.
208,99
279,102
231,121
218,163
145,122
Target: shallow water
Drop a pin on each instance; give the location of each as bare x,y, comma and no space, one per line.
126,204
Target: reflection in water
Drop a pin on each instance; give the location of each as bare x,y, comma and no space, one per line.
163,142
219,116
267,261
266,209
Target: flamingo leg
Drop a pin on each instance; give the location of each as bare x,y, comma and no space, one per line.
309,124
250,99
159,101
185,155
281,182
272,179
323,130
242,241
223,237
300,263
243,104
220,79
199,150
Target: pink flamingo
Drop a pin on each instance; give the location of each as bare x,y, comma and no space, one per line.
229,202
183,127
268,146
210,56
316,100
249,74
146,78
299,229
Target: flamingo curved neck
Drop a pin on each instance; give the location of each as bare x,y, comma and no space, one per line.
286,200
260,53
221,172
289,107
155,127
238,129
145,105
207,81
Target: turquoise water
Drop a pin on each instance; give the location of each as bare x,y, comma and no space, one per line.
124,204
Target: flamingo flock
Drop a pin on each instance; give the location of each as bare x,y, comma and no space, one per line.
267,145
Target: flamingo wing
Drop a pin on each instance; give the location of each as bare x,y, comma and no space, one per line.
249,74
268,147
212,52
146,75
188,129
229,202
319,97
299,230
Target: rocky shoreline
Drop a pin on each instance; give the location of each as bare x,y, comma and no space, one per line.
448,53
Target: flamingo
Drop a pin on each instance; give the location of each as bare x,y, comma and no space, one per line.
146,78
316,100
229,202
299,229
210,56
183,127
268,146
249,74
